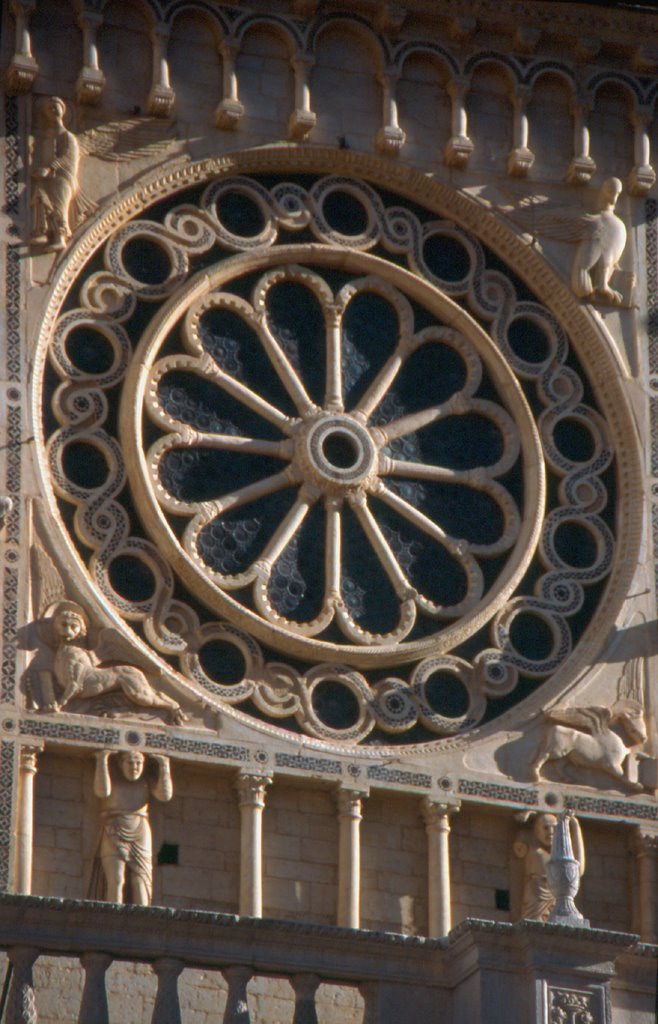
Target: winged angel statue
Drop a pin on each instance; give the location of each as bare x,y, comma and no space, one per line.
70,674
58,202
601,238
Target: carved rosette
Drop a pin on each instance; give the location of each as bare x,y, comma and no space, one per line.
336,437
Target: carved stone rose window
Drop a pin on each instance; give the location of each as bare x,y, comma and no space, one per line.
328,456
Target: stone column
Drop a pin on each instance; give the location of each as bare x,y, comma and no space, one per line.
93,1007
305,986
230,110
459,146
439,899
349,856
91,80
162,96
521,158
167,1005
642,177
237,1006
25,824
644,844
390,137
251,790
302,120
582,167
21,1006
23,68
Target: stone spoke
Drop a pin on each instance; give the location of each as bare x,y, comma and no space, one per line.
382,549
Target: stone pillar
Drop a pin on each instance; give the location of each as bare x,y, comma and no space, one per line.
459,147
305,986
167,1004
93,1007
582,167
390,137
251,790
230,110
25,824
162,96
642,177
91,80
439,900
237,1006
521,158
302,120
644,844
21,1006
23,68
349,856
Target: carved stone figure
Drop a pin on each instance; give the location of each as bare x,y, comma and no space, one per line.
54,176
78,671
564,871
601,238
587,738
125,849
533,847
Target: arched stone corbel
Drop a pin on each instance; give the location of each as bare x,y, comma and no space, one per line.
91,80
642,176
23,68
230,110
162,96
390,137
459,147
582,167
521,158
302,120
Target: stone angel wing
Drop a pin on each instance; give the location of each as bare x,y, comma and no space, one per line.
112,647
129,138
538,216
593,719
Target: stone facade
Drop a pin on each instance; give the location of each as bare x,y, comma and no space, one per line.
328,355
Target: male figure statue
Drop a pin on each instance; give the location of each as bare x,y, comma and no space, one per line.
126,840
54,176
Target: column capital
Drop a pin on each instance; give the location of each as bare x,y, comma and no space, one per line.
28,757
437,813
644,841
251,789
349,802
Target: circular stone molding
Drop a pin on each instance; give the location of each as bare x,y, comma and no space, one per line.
308,432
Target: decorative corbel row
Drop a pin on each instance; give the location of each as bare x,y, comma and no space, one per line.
230,110
161,97
390,137
521,158
23,68
582,167
91,80
302,120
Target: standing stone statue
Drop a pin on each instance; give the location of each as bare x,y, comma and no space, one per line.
534,849
54,176
125,849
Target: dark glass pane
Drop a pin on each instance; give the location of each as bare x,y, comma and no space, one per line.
89,350
146,261
335,705
84,464
222,662
131,578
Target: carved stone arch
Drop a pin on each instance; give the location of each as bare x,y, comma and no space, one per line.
457,217
508,65
377,45
284,29
623,99
220,24
626,83
539,70
552,98
434,53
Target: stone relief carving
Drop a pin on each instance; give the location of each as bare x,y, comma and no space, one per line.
572,1007
533,848
588,737
56,160
125,846
600,236
69,674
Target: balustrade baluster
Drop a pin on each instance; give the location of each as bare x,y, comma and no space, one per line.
93,1006
21,1004
237,1007
167,1004
305,986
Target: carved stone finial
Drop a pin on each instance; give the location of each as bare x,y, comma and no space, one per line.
535,848
563,873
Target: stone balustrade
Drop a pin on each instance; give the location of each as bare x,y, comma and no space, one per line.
399,977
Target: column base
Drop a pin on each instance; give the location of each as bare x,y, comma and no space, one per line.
581,170
228,114
458,152
89,86
21,74
390,140
519,162
301,124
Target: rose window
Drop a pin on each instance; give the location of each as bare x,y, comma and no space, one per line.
328,458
